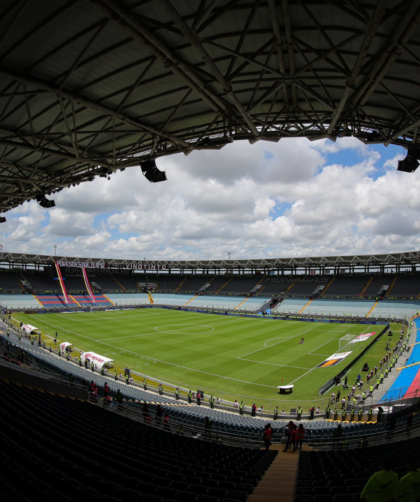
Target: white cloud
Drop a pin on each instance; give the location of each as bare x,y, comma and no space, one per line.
228,201
69,223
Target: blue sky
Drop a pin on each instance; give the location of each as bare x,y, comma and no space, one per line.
291,198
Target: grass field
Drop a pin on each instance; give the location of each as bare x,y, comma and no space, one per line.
227,356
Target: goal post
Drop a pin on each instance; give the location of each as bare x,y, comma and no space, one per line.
344,341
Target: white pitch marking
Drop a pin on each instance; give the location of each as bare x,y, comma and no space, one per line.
166,362
365,329
311,353
274,364
177,331
264,348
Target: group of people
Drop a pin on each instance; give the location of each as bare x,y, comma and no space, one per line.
294,435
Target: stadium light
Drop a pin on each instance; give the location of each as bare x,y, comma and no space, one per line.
44,202
2,219
151,172
410,163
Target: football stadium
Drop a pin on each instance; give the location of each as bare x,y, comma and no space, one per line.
222,380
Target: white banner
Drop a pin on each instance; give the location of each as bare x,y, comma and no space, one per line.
80,264
363,337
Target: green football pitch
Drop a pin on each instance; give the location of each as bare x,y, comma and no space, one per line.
227,356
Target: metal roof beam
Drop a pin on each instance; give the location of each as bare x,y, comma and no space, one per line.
19,6
351,82
37,28
192,39
324,34
319,80
396,52
242,37
203,14
52,153
387,55
141,34
289,42
279,45
36,82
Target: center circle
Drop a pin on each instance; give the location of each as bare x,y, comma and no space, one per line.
184,329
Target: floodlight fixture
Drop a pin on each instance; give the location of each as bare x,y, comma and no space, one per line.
44,202
151,172
410,163
2,219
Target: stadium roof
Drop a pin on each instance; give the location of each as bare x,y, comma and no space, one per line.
88,87
375,260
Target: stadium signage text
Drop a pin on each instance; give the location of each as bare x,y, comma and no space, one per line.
89,264
81,264
140,266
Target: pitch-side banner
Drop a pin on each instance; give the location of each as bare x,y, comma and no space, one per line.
363,337
333,360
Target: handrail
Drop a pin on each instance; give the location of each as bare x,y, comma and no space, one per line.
385,436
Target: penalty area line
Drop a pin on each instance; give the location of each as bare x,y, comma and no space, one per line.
273,364
278,343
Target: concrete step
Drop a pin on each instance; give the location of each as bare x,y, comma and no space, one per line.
279,481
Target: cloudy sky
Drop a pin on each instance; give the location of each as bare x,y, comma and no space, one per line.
292,198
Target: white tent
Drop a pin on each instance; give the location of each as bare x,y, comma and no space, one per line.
98,360
64,346
30,330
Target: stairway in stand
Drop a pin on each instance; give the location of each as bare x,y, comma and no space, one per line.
278,483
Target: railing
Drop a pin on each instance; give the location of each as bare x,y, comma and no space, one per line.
372,439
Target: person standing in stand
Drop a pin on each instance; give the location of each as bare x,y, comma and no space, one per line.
311,413
166,422
253,410
267,435
289,431
198,398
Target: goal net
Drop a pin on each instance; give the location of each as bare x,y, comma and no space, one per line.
345,340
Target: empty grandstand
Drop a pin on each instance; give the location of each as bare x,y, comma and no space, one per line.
347,285
9,282
107,283
43,283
